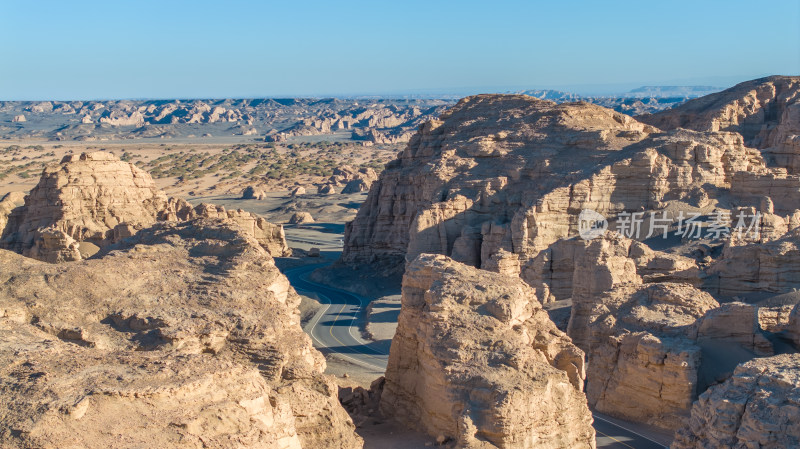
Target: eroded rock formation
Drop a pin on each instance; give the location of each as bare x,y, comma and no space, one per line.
187,328
500,183
513,173
301,218
766,112
96,199
477,361
756,407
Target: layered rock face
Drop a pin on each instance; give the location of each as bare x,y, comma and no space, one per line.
513,173
745,267
347,175
58,394
766,112
8,203
652,343
477,361
500,183
756,407
188,329
92,200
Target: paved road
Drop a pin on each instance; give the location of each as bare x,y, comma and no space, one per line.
334,330
613,434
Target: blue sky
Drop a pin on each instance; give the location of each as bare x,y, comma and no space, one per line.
233,48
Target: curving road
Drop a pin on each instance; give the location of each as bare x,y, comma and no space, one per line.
335,331
335,327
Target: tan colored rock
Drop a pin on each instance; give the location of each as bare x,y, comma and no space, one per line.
69,396
734,323
792,328
122,118
513,173
251,193
8,203
602,266
96,198
19,118
652,345
771,266
765,111
298,191
642,366
270,236
85,198
300,218
477,361
775,319
326,189
503,262
757,407
356,186
344,175
190,329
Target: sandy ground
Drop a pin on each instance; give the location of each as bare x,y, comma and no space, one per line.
382,316
330,212
21,162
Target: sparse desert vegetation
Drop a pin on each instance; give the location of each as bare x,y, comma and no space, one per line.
206,169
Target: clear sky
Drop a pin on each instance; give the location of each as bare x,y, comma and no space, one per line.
234,48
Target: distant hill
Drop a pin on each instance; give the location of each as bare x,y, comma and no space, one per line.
642,100
372,120
673,91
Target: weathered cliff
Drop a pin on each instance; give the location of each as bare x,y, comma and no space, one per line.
92,200
477,361
187,327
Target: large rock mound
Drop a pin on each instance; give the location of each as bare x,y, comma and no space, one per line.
94,199
653,342
513,173
476,360
170,326
757,407
501,183
58,394
766,112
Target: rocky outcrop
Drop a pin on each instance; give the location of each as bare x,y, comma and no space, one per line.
326,189
476,360
642,366
64,395
502,182
98,199
301,218
356,186
766,112
346,174
187,328
8,203
652,344
756,407
513,173
270,236
84,198
251,193
745,267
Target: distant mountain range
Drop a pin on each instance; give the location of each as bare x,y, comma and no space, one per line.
375,120
642,100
